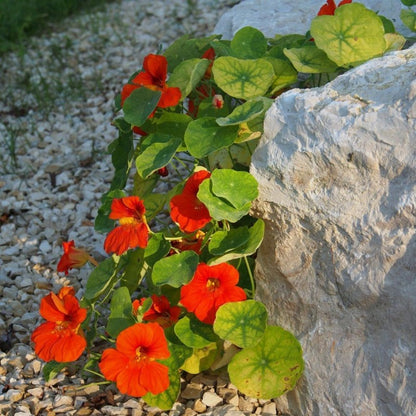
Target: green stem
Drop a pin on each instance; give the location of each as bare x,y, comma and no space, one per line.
253,284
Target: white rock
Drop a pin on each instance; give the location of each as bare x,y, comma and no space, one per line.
336,168
13,395
285,17
61,400
211,399
45,247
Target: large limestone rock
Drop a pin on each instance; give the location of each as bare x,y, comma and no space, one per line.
288,16
337,176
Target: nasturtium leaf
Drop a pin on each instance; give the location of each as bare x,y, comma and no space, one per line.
194,333
103,224
140,104
154,203
121,316
101,278
242,323
282,42
144,187
173,124
250,132
310,59
394,41
187,75
237,187
203,136
201,359
255,237
223,242
353,35
157,151
132,271
238,154
166,399
387,24
221,47
248,43
219,208
409,3
285,74
270,368
244,112
175,270
409,18
178,354
156,249
51,369
243,78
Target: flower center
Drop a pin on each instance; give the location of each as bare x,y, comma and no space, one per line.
212,284
140,354
128,221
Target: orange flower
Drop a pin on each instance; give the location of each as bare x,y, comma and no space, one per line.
133,230
186,209
132,363
192,243
329,7
161,311
73,257
61,338
211,287
154,77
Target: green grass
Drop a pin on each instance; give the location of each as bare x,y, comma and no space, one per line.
20,19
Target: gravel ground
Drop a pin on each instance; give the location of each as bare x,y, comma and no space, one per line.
56,112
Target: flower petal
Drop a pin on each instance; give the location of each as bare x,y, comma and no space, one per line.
157,67
170,97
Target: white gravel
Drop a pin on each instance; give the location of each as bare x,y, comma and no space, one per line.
55,125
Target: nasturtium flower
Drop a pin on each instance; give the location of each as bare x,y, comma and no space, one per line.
161,311
154,77
132,231
211,287
73,257
329,7
61,338
192,242
132,363
218,101
186,209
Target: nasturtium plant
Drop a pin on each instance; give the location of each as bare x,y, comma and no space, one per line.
176,289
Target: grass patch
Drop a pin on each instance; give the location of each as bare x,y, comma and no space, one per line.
20,19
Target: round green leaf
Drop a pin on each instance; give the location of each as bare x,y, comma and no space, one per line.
255,237
242,323
394,41
284,72
121,316
409,2
353,35
140,104
243,78
156,249
270,368
244,113
238,187
218,208
194,333
201,359
223,242
286,41
203,136
409,19
169,123
157,151
101,278
167,398
175,270
310,59
187,75
248,43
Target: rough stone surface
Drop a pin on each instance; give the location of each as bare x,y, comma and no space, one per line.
337,172
286,16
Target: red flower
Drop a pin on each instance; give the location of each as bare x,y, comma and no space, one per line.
133,230
154,77
192,243
211,287
210,55
61,338
186,209
218,101
163,171
161,311
73,257
132,363
329,7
